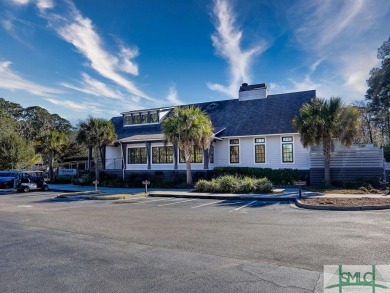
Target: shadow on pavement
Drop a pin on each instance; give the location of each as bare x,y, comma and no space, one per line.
256,204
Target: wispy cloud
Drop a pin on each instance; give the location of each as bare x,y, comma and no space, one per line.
80,32
20,2
80,106
172,97
45,4
41,4
344,35
11,80
93,87
227,43
324,21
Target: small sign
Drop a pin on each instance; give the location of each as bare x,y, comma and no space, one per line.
300,183
95,182
146,182
67,172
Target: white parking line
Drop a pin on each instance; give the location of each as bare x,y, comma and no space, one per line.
167,204
241,207
206,204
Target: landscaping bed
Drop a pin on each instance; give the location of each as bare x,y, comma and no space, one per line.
335,190
234,184
346,202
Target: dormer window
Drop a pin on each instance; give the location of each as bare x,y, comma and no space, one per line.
143,118
154,117
128,120
136,119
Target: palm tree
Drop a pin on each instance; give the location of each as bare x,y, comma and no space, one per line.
185,128
322,121
51,144
96,133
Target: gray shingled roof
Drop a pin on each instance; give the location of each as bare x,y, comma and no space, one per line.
272,115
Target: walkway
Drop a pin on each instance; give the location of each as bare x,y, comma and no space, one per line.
281,194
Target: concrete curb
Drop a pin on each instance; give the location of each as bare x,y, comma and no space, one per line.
223,197
302,205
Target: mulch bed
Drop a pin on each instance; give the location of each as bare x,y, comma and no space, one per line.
347,202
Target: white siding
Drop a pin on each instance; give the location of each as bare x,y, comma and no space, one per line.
273,153
135,166
113,157
254,94
354,157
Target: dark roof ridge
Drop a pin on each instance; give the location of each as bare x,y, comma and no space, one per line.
215,101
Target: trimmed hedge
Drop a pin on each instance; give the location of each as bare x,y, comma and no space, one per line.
235,184
276,176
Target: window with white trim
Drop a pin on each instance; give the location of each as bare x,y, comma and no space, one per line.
136,156
211,154
260,150
234,149
287,149
196,156
162,155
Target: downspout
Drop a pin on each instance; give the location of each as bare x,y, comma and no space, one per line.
123,162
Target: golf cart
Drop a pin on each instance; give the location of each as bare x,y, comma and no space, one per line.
31,180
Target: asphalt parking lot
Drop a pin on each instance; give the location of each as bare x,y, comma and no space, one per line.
176,245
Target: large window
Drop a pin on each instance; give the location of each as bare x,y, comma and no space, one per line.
137,156
144,118
162,155
128,120
196,157
259,150
136,119
234,151
211,154
153,117
287,149
141,118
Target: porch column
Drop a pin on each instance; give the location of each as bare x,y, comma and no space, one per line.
206,159
124,157
89,158
175,157
148,154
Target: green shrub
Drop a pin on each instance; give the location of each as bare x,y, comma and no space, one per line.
62,179
277,176
228,183
248,185
368,183
235,184
204,185
265,188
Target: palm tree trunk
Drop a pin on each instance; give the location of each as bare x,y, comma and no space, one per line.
326,152
95,158
327,172
189,176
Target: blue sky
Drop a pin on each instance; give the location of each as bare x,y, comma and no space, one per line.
77,58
